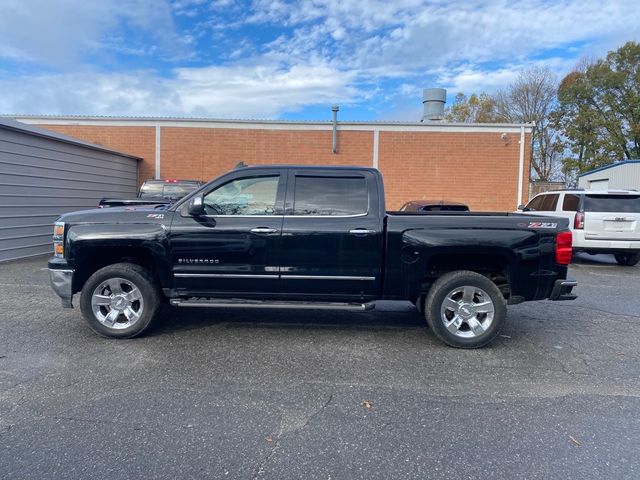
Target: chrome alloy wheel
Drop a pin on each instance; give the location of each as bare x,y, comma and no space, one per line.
117,303
467,312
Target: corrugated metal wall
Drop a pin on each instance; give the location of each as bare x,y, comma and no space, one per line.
623,175
41,178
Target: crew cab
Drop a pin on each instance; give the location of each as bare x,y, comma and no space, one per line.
155,192
602,221
307,237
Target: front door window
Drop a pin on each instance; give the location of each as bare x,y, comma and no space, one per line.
244,196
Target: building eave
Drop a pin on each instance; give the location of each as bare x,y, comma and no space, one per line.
10,123
197,122
607,167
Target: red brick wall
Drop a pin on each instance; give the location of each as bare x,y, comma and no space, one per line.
138,141
480,169
204,153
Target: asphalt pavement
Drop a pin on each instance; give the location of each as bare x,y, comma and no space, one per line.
278,394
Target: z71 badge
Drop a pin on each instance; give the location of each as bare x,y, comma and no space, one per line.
542,225
158,216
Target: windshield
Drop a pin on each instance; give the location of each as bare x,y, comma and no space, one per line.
612,203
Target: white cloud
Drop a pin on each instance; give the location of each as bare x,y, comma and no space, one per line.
60,33
470,79
219,92
415,34
326,51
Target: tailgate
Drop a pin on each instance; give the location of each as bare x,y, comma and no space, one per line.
612,217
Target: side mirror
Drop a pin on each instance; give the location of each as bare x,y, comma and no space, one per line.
522,208
196,206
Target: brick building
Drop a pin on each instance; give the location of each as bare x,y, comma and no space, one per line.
484,165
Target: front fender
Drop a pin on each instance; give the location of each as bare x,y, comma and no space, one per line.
153,238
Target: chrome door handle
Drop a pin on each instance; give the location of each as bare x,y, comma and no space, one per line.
362,231
263,230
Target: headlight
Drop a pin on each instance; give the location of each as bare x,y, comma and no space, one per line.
58,239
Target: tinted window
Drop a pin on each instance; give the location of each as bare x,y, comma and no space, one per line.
151,190
177,191
549,203
244,196
612,203
167,190
445,208
330,196
536,203
571,203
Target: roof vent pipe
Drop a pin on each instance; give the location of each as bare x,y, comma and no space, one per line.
433,100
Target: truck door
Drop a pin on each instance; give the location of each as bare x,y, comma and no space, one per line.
332,235
235,245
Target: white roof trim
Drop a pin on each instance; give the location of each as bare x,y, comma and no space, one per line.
275,124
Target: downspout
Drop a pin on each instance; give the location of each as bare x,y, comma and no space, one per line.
376,143
335,109
521,167
157,176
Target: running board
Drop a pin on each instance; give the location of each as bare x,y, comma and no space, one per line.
236,303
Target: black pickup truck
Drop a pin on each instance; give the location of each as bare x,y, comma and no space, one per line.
307,237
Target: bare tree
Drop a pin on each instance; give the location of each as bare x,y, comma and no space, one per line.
532,98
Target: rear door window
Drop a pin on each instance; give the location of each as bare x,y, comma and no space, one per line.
571,203
330,196
612,203
549,203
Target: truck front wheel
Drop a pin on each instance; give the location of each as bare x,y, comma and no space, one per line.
465,309
120,300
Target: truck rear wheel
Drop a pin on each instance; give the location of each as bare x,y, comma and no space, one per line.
465,309
120,300
628,259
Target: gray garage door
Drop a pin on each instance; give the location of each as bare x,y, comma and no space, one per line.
43,175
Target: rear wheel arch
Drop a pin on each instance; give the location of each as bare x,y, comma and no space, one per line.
495,266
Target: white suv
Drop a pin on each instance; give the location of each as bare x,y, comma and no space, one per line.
602,221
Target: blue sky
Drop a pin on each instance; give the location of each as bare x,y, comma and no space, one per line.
285,59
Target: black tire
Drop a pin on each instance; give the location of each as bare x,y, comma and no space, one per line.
149,302
420,303
627,259
447,288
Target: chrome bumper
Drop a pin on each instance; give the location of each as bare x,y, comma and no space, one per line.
562,290
61,282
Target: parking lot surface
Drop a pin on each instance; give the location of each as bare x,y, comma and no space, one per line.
217,393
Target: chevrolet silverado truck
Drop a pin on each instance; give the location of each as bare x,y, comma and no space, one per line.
307,237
